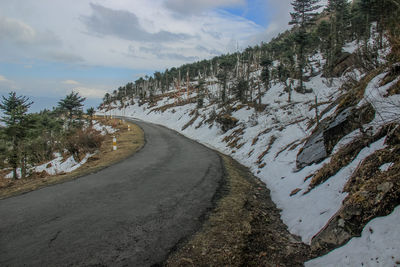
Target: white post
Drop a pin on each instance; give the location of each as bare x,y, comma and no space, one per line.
114,143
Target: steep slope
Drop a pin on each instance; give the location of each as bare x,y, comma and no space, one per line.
329,155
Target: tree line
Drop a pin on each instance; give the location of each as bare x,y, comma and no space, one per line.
285,59
27,139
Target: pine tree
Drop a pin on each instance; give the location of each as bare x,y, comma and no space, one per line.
72,105
339,21
90,112
225,66
15,110
303,17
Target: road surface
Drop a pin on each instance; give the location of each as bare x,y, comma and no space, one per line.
129,214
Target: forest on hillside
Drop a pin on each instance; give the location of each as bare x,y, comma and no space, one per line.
286,59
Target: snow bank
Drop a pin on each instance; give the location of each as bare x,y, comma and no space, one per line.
377,246
57,165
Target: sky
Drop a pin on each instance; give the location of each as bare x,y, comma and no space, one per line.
50,47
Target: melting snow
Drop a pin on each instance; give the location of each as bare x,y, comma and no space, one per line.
57,165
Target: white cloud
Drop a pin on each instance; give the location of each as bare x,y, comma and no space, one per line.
19,32
71,82
90,92
12,29
3,79
112,33
187,7
7,85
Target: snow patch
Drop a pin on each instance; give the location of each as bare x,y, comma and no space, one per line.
377,246
57,165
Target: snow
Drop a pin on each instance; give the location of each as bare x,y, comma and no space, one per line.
377,246
282,128
385,167
322,203
103,129
57,165
350,47
287,122
387,108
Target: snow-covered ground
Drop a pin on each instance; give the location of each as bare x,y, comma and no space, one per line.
103,129
269,143
377,246
57,165
287,124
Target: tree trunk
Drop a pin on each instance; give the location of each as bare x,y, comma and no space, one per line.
316,110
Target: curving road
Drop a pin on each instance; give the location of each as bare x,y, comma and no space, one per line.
129,214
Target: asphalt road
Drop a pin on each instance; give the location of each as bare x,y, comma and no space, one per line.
129,214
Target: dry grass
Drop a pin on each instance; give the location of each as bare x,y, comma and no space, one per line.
128,142
344,157
223,236
269,146
356,93
244,229
180,103
233,139
372,192
394,90
255,139
192,120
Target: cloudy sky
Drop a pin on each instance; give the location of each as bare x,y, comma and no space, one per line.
50,47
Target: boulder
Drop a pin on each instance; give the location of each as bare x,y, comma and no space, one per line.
313,151
324,138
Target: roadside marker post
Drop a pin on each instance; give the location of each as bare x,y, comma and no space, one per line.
114,143
129,128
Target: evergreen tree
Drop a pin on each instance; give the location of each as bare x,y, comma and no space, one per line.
200,92
240,89
303,17
339,21
266,63
90,112
15,110
324,34
72,105
225,66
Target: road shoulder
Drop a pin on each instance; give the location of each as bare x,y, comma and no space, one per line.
243,229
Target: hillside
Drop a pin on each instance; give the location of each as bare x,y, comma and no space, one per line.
328,151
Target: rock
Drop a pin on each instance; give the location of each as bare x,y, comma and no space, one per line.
330,236
324,138
313,151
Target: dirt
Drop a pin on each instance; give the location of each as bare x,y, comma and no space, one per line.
128,142
244,229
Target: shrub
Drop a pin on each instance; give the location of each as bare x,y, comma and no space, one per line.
83,141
